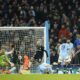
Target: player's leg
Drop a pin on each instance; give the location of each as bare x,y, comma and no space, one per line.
67,60
4,67
11,69
60,60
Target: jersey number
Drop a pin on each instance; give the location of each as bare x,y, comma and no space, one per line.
63,47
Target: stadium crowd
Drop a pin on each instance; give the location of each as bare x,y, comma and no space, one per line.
63,16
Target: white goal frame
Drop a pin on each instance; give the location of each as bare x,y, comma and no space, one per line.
25,28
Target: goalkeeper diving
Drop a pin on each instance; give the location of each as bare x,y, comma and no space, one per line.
5,61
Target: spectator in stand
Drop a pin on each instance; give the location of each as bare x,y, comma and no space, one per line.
65,19
74,32
63,32
78,23
51,43
76,58
77,41
53,57
25,9
55,31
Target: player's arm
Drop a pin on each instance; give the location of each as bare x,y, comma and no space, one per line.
72,52
58,50
8,61
10,52
46,53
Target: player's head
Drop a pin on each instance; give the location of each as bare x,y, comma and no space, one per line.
63,40
41,48
12,46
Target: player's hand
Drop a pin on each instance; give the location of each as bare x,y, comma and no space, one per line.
12,64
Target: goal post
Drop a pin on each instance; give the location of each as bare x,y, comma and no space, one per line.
29,36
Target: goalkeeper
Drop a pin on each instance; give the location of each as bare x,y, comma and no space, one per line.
4,60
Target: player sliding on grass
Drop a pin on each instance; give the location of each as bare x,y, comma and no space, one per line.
5,62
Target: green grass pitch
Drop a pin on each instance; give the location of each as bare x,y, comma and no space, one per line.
38,77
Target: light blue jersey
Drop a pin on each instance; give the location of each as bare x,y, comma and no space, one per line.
63,50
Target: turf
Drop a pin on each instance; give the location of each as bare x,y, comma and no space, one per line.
38,77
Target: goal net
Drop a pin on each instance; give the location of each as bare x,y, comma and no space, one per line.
24,38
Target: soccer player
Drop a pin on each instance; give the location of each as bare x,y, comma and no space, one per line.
26,62
41,54
4,60
26,65
10,63
45,68
64,57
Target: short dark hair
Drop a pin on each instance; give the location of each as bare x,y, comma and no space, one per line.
12,46
63,40
40,47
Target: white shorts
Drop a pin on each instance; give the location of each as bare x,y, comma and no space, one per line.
64,59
